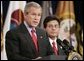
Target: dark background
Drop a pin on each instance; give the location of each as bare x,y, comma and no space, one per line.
78,5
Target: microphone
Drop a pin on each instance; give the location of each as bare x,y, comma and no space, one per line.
70,47
65,48
60,42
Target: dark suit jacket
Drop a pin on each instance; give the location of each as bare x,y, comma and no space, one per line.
19,44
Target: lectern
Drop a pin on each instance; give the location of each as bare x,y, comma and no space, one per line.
54,57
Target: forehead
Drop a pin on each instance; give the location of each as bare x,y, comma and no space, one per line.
53,22
35,9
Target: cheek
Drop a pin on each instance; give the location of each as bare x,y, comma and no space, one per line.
51,32
57,30
40,17
29,19
38,20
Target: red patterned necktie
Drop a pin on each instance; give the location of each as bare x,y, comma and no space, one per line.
34,39
54,48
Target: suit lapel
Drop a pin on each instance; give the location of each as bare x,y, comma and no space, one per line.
28,37
30,41
40,40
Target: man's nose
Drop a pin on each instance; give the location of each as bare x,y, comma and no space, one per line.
53,27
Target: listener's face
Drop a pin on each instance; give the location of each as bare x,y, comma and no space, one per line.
52,28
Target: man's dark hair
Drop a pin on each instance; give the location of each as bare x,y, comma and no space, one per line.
50,18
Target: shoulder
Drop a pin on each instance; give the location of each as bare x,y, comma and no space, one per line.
40,30
14,30
17,29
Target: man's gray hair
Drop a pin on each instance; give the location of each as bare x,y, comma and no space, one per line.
31,4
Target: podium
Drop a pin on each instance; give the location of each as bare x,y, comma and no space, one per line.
54,57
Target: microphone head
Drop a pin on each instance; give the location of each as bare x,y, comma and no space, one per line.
64,47
67,44
59,41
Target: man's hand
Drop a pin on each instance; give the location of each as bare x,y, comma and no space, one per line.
37,58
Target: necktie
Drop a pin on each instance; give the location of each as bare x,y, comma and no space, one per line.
54,48
34,39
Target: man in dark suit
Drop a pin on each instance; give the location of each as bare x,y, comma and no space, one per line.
51,25
21,43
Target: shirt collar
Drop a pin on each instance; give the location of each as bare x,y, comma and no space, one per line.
28,28
51,41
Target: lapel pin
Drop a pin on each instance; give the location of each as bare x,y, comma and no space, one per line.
41,37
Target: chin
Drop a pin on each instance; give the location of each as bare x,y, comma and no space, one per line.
34,26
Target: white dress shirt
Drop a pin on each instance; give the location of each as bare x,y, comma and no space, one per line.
51,41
